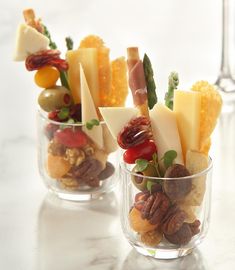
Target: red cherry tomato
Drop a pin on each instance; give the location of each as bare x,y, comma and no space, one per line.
70,137
144,151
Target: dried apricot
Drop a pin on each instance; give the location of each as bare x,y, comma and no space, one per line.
152,238
139,224
57,166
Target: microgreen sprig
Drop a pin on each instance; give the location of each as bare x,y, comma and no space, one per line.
93,122
169,158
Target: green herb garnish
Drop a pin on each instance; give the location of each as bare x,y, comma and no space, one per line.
71,121
141,164
93,122
69,43
169,157
173,82
156,164
151,87
149,185
64,113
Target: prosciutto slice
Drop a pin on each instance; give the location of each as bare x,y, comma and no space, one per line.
137,81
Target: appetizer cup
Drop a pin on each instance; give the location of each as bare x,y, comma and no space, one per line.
70,163
165,218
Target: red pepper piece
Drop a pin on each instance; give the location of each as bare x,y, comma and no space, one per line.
70,137
143,151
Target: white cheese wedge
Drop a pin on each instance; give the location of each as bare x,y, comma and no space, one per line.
187,108
165,132
88,58
117,117
28,41
89,112
110,144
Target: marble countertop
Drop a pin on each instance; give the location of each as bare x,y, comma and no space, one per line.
41,232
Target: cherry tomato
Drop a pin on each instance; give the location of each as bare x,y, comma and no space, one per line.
46,77
70,137
144,151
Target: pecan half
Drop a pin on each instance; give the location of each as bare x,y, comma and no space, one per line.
44,58
155,208
93,182
173,220
88,169
185,233
140,199
135,132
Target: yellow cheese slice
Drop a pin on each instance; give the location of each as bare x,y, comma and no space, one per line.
117,117
165,132
187,107
28,41
89,112
88,58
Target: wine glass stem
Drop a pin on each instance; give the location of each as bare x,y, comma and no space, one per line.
225,67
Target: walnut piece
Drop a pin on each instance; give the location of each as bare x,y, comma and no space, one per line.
56,148
74,156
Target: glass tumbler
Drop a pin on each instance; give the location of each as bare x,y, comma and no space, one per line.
71,164
165,218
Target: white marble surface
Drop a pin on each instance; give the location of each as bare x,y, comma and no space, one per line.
39,232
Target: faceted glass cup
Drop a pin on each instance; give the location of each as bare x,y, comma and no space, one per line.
167,218
72,165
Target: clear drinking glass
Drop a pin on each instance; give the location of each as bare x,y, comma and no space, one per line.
226,78
70,163
165,218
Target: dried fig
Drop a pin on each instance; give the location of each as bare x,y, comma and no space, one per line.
107,172
181,237
177,189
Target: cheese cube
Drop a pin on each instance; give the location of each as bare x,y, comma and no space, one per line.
165,132
89,112
28,41
117,117
88,58
187,108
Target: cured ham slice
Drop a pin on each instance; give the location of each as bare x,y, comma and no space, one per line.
137,81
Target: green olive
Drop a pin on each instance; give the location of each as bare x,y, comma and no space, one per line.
140,181
54,98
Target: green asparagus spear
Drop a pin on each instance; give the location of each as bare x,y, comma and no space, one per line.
46,33
69,43
148,72
173,81
53,46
